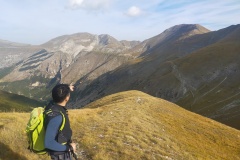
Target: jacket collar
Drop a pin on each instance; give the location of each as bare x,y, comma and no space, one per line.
55,105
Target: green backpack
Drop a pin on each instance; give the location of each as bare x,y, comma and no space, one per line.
36,131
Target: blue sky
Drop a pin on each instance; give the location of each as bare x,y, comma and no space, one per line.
38,21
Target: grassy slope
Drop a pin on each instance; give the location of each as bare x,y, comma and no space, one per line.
13,102
217,95
131,125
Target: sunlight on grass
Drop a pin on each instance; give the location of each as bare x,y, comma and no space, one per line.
132,125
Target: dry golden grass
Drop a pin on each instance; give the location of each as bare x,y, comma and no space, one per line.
13,142
131,125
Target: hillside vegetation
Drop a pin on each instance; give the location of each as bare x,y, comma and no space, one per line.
12,102
213,90
131,125
199,73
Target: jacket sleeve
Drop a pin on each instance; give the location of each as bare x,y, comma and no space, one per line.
51,133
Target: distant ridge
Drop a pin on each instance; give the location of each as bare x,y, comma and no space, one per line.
5,43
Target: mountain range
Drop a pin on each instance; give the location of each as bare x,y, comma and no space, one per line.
199,72
186,64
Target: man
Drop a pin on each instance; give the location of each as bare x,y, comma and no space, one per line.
58,142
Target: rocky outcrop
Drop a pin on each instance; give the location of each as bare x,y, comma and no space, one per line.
66,59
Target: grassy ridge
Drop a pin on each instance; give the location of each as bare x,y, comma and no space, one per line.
131,125
13,102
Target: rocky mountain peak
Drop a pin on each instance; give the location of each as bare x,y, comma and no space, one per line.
174,33
72,44
85,42
105,39
185,30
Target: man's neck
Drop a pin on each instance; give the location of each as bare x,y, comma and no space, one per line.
63,104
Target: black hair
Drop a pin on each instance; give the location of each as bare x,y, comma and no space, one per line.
60,92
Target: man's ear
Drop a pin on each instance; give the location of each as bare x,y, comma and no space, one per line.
67,98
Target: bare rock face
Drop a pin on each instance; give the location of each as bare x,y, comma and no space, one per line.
72,44
86,42
65,59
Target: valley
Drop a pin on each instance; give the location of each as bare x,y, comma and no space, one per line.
186,64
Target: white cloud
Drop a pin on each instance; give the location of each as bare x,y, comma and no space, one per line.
75,3
134,11
89,4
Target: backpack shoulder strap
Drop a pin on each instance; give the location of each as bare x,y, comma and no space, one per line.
53,113
63,121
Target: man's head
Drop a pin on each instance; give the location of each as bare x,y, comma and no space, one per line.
60,93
